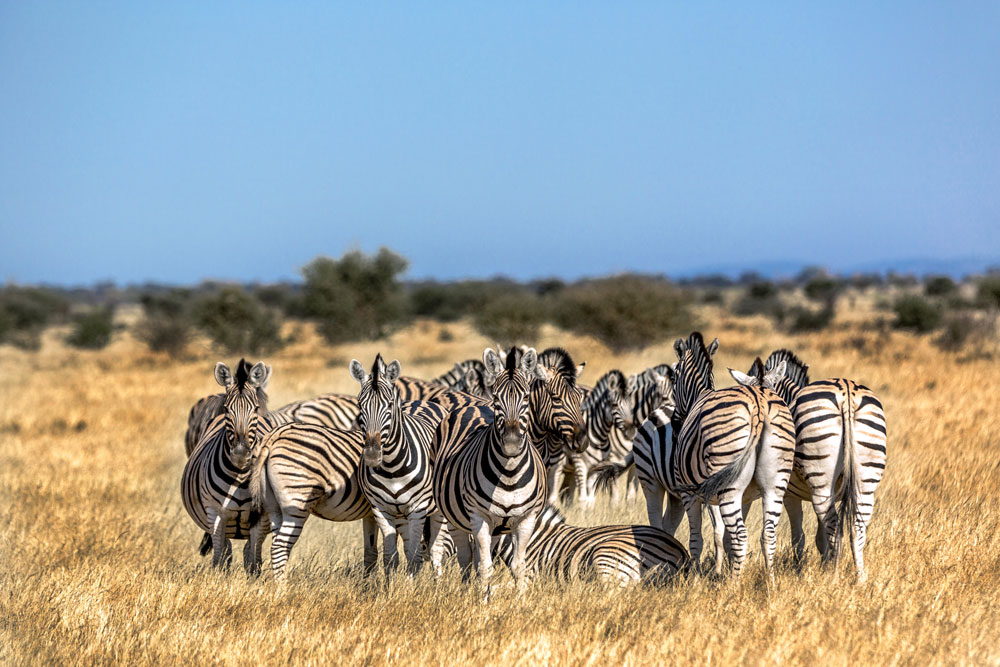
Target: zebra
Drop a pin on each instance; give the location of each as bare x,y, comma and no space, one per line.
725,440
619,554
214,482
488,475
555,420
840,454
337,411
303,469
399,450
598,424
457,379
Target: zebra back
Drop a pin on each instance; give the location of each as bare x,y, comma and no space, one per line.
338,411
201,415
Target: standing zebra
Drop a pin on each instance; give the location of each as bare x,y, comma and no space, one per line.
555,420
488,475
598,424
214,482
457,379
208,408
620,554
397,472
725,440
302,469
840,454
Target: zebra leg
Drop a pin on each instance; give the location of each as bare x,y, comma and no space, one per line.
390,547
252,549
554,474
654,507
858,537
719,531
369,531
520,536
583,492
481,531
631,485
826,517
285,536
732,516
794,508
463,550
693,508
437,538
412,532
222,548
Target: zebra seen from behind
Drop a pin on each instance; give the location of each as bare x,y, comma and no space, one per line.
489,477
400,445
840,454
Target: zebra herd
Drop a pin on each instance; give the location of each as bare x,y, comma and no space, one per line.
470,463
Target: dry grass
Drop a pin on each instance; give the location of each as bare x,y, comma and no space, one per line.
99,560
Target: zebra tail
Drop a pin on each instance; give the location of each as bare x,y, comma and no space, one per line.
727,477
604,475
849,490
258,479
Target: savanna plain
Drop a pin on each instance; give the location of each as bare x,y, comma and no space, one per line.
100,563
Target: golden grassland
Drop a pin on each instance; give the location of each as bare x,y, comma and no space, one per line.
99,559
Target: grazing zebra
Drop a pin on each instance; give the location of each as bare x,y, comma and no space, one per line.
214,482
302,469
619,554
725,440
400,445
555,421
840,454
488,475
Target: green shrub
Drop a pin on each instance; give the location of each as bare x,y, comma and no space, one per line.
356,297
917,313
25,311
624,312
939,286
237,322
761,298
511,319
805,319
92,330
988,292
822,288
960,329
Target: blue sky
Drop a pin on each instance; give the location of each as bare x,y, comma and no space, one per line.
176,141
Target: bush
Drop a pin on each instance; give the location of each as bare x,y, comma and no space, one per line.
939,286
511,319
237,322
624,312
822,288
917,313
93,329
355,297
761,298
804,319
961,329
865,280
25,311
988,292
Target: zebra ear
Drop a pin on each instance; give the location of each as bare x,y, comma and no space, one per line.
392,371
224,376
530,366
579,369
743,378
493,364
679,348
663,384
632,384
258,375
267,378
357,371
713,347
772,378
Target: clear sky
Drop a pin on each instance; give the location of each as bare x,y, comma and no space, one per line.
181,141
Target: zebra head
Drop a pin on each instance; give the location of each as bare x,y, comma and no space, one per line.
645,392
556,399
759,376
379,406
508,385
244,403
796,374
621,393
693,376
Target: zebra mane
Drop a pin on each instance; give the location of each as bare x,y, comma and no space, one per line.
693,376
548,517
242,374
511,360
560,359
241,379
375,365
603,386
795,369
757,369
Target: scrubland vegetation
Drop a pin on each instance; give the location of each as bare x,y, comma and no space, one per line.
100,561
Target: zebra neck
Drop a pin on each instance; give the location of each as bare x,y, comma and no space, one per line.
398,444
